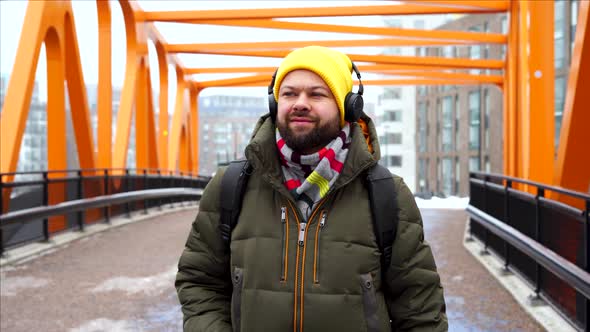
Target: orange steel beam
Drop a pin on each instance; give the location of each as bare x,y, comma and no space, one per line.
460,78
194,125
105,87
459,63
77,95
572,170
237,81
141,118
499,5
523,102
174,141
120,148
539,137
362,68
491,79
510,147
465,36
266,13
383,82
202,48
62,48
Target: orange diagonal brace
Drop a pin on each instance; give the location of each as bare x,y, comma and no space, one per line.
126,103
77,95
572,169
377,31
238,81
382,82
394,9
194,129
362,68
20,87
496,5
174,140
492,79
203,48
105,86
387,59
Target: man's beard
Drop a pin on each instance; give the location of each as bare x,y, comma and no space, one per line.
312,141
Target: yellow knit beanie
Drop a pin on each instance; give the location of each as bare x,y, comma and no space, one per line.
334,67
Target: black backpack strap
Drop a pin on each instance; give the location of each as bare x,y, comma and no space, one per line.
233,185
384,210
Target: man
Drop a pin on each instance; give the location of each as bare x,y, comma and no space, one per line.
303,256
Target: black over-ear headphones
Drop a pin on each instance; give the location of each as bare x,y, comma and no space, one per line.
353,102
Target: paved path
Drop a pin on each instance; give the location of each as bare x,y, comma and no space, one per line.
122,280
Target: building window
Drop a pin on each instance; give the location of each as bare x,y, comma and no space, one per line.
559,102
475,51
474,164
457,117
422,121
392,93
393,138
486,118
457,175
421,90
422,175
447,123
558,33
447,51
447,173
393,115
474,120
574,6
393,161
487,166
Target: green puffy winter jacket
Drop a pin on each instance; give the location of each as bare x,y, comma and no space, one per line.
323,275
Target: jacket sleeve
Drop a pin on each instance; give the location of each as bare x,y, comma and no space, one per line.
203,280
416,301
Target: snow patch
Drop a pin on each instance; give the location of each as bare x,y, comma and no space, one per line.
151,285
104,324
10,286
451,202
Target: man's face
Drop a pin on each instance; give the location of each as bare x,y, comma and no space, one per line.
308,117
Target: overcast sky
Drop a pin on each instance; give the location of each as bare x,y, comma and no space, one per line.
12,16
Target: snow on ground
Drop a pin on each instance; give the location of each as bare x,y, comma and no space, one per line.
451,202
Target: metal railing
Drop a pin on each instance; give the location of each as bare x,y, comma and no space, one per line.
85,196
543,240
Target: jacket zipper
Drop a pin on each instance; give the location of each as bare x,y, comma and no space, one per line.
316,256
284,258
299,275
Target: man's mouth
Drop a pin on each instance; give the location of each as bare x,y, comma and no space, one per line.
301,120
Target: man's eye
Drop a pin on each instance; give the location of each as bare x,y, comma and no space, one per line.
318,94
287,94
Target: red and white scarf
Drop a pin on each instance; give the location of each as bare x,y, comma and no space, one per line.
309,177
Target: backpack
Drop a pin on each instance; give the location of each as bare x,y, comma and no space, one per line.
382,199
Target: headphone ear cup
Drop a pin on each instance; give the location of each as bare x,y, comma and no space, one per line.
272,107
353,107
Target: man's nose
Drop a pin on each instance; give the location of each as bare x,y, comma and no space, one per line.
302,103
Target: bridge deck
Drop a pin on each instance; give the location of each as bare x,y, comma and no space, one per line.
122,280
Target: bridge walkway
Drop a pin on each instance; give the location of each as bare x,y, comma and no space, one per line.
122,280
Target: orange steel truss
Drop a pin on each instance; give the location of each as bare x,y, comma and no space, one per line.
526,79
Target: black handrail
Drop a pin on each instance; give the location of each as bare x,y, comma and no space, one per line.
562,268
100,171
27,215
556,189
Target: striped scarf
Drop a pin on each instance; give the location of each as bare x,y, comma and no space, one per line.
309,177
